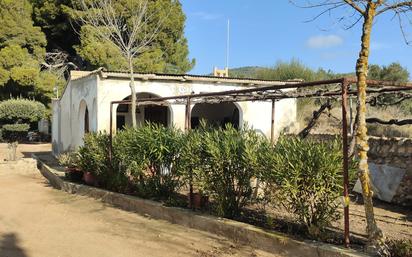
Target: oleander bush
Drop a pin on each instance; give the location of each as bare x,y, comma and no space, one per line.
150,156
152,161
400,248
307,175
94,157
224,161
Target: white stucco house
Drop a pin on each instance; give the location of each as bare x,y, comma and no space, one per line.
84,105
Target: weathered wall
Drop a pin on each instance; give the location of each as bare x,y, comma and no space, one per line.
69,111
96,93
255,114
393,152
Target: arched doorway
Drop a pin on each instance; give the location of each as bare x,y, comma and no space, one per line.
218,115
159,114
83,120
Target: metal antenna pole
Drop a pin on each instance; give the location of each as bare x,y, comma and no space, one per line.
227,43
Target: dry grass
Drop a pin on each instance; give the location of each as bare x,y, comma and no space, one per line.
330,121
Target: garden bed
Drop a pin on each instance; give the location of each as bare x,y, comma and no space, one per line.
300,179
395,221
240,232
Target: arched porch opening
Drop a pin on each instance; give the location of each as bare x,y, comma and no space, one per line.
83,119
159,114
218,115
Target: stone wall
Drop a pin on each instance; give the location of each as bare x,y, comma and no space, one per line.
392,152
396,152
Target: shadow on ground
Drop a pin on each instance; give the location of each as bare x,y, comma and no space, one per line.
9,246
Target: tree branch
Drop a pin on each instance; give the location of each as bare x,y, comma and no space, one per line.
316,114
355,6
407,4
390,122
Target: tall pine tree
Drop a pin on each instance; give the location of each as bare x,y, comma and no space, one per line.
168,53
22,50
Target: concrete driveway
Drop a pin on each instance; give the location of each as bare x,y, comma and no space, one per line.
39,221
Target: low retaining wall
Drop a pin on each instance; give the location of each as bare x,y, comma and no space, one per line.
269,241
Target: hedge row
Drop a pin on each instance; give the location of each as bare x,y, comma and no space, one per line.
156,162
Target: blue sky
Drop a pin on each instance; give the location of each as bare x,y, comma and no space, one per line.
265,31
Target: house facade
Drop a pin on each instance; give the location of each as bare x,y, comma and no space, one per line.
85,105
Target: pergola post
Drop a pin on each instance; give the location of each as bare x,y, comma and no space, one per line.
187,128
111,132
272,124
346,198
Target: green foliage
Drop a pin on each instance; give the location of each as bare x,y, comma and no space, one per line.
293,70
223,162
167,53
54,19
22,50
21,110
245,72
393,72
307,175
15,132
154,162
17,27
150,156
69,160
400,248
94,157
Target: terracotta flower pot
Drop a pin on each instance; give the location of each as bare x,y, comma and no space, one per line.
89,178
199,201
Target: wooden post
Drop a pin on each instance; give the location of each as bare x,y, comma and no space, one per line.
346,198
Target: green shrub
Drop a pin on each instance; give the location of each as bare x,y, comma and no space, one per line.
21,110
224,162
94,157
15,132
308,178
69,160
400,248
149,155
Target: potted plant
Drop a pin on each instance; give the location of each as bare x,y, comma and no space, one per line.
70,162
89,178
198,201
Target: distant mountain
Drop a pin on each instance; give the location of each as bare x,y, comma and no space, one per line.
245,72
283,73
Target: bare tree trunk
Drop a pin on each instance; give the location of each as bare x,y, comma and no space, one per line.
133,91
374,233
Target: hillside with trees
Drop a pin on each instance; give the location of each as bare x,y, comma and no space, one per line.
330,122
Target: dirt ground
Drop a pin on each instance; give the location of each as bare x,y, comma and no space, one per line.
37,220
395,221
